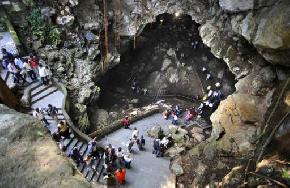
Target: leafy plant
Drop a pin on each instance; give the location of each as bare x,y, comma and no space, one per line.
286,174
55,36
42,29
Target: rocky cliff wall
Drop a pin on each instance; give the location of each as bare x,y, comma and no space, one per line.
29,157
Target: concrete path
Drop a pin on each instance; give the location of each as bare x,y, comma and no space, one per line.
147,171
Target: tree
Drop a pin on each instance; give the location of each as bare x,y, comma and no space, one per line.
6,96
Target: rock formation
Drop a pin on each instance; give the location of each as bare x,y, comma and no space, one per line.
29,157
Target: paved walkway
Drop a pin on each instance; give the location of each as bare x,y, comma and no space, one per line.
147,171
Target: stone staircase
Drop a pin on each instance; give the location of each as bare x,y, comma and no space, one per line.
40,97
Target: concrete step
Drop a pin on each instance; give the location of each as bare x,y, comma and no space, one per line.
39,90
44,94
71,145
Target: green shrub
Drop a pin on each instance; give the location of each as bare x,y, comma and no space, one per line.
286,174
55,36
43,30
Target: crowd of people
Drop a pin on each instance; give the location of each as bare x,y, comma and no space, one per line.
116,161
23,68
213,96
161,144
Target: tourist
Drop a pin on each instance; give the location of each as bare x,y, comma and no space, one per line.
5,63
170,141
177,110
155,146
75,155
120,156
92,149
138,141
7,55
174,120
92,153
142,142
18,62
194,44
42,74
113,156
24,73
120,175
166,114
125,122
127,161
160,152
52,112
40,115
14,70
29,70
135,133
33,62
48,73
188,116
63,129
110,179
208,76
164,141
130,145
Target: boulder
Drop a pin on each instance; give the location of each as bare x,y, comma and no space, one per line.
37,44
174,151
73,2
93,52
176,169
67,20
153,132
172,129
170,52
180,136
239,116
198,137
29,157
166,63
91,37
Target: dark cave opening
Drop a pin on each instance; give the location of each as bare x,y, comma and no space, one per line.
166,62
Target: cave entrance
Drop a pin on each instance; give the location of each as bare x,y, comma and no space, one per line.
167,62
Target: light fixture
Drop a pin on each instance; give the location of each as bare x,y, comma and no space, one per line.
161,20
177,14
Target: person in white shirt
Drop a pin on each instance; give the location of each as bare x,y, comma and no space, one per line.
174,121
120,156
16,72
29,70
42,74
40,115
127,160
48,72
18,62
135,133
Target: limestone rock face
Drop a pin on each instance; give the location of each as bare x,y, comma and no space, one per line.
236,5
268,32
65,20
239,116
98,118
29,157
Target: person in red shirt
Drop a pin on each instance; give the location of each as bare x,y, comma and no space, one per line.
125,122
33,62
120,175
